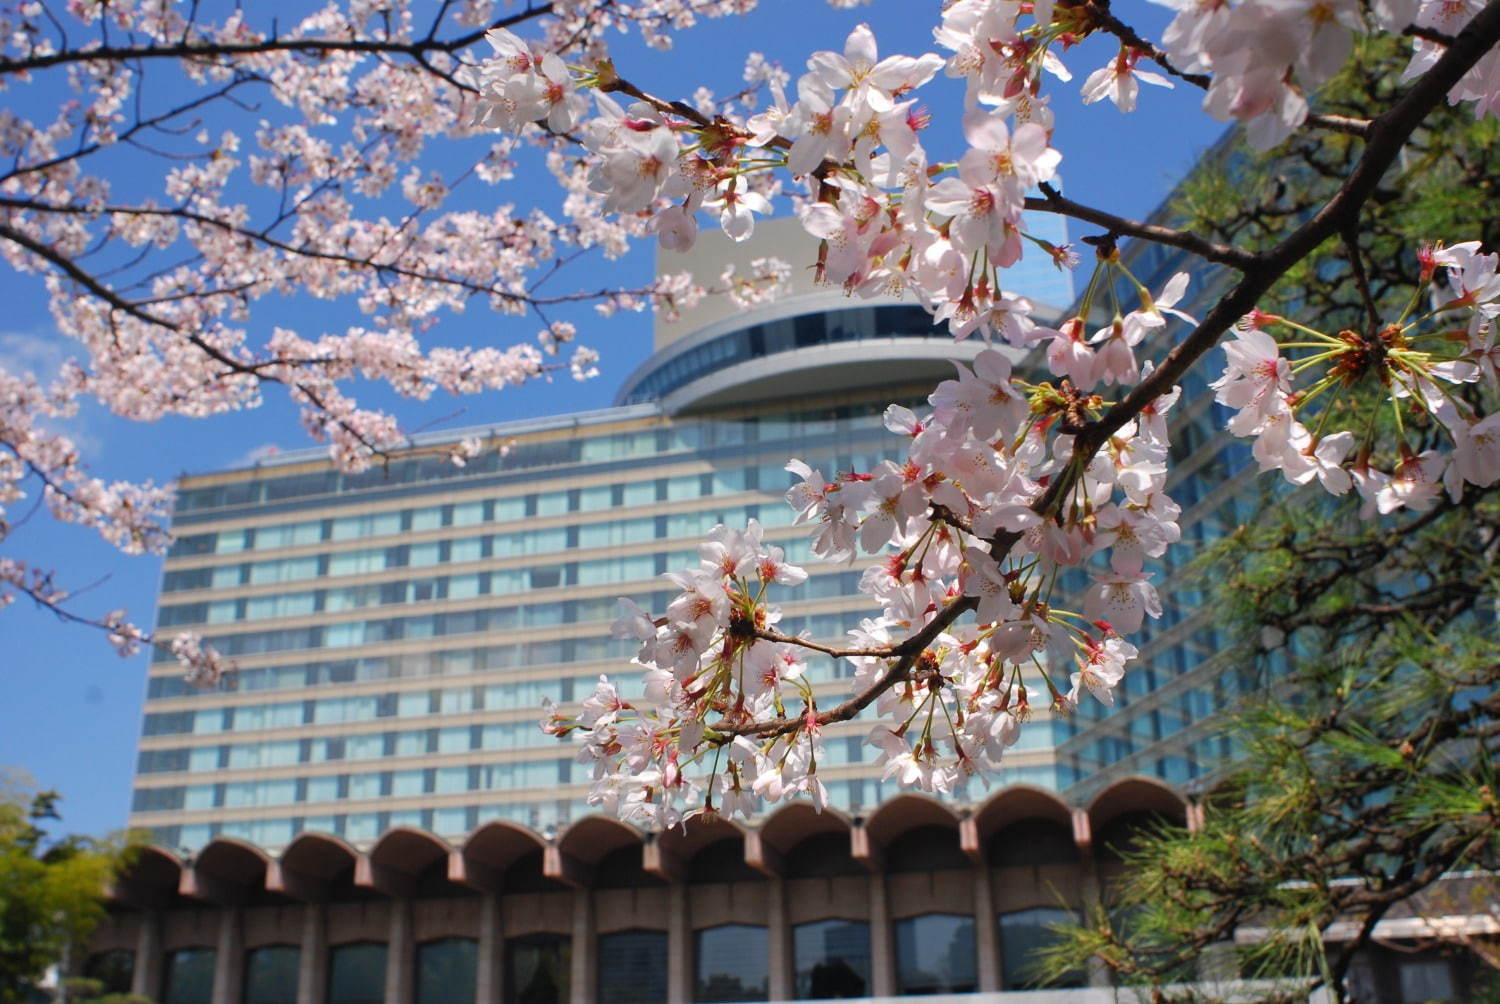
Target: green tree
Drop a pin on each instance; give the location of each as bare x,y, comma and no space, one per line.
1365,764
51,891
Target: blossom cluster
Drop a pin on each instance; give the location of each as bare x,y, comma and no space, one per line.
959,521
160,219
1005,485
1420,356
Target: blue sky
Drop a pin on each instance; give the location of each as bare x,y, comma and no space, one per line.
70,709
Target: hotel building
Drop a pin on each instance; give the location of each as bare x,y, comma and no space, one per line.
370,811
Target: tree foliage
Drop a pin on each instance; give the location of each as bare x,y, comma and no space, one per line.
51,891
1364,766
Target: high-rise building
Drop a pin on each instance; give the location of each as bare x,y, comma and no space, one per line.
396,630
370,811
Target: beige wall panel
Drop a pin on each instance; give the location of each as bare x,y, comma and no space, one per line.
196,927
1023,887
623,909
349,922
273,925
118,930
537,912
846,896
912,894
450,917
718,903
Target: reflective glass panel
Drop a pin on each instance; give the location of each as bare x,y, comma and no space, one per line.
112,970
832,958
1022,937
271,975
537,969
633,967
356,973
190,976
731,963
935,954
446,971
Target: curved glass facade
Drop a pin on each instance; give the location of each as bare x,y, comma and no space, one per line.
771,337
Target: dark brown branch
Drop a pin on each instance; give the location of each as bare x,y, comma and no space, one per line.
1386,137
204,49
1052,201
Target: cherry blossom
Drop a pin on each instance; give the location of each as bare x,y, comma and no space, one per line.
1008,479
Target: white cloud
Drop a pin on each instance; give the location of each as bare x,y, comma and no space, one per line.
28,352
42,356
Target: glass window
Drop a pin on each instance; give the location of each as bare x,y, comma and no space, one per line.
198,796
551,503
208,721
730,963
1023,935
362,826
364,786
427,519
112,970
356,973
453,740
446,971
366,747
413,704
633,967
935,955
451,779
597,497
832,958
406,782
468,513
204,758
190,976
641,493
466,549
230,543
225,576
322,789
271,975
352,562
285,570
537,969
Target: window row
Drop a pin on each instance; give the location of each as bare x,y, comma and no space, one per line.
436,472
503,510
934,954
338,787
367,746
306,602
564,651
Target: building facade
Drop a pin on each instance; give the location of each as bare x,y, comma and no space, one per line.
397,630
369,811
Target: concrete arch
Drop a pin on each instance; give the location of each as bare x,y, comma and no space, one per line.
796,821
907,812
774,848
1118,812
227,871
312,866
489,851
1018,802
151,880
573,857
400,859
1137,793
672,853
